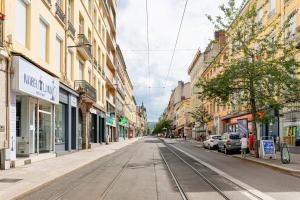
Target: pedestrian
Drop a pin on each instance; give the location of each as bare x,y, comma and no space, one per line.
251,141
244,144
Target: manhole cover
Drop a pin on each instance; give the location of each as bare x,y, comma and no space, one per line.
9,180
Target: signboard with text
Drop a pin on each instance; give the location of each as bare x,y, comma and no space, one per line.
31,80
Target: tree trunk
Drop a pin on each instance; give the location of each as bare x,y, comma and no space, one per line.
254,113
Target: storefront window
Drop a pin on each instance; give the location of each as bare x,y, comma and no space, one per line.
60,123
291,128
45,126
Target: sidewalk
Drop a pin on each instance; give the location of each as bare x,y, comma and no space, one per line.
17,181
293,167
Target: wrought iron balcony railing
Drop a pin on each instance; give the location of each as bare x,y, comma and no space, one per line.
59,12
71,28
84,43
85,89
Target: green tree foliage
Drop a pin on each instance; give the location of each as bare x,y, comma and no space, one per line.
162,124
258,72
201,115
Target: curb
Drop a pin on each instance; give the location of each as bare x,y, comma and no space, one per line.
274,166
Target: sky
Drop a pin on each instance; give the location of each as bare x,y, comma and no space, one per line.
164,21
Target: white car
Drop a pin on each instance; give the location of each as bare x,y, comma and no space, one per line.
212,141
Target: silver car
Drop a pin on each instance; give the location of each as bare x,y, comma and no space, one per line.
212,142
229,142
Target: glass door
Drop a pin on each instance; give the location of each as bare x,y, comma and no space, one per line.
32,127
45,127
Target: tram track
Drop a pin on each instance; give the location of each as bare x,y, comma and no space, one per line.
204,173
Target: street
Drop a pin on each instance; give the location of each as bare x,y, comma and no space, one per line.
154,169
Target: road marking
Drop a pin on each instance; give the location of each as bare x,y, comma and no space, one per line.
234,180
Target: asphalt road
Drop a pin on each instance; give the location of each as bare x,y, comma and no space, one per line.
140,172
134,172
276,184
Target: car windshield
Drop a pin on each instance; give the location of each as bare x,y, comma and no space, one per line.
216,137
234,136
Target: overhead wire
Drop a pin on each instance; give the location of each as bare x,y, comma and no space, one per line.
176,42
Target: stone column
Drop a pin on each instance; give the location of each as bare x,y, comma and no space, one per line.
85,108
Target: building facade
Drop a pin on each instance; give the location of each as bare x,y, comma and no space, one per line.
178,108
58,73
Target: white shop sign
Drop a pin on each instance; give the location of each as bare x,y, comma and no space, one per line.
31,80
73,101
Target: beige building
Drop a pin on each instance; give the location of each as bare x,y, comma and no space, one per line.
176,109
61,54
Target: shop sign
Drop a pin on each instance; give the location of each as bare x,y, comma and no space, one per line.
31,80
73,101
291,107
288,124
268,148
123,121
111,119
242,126
93,111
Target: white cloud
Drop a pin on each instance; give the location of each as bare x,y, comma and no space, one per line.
164,18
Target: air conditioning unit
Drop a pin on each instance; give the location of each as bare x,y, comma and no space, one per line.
23,146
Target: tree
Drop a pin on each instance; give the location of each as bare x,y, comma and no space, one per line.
201,115
161,125
258,69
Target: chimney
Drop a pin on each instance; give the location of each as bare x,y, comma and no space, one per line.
220,37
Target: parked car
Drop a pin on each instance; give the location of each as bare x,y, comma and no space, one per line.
229,142
212,141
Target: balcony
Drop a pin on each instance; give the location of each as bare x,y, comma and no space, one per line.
59,12
110,60
95,63
110,79
121,91
84,46
71,29
86,91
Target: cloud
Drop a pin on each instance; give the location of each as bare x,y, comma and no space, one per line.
164,19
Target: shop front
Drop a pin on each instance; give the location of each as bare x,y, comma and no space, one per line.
34,98
243,124
111,127
290,125
66,121
131,129
97,126
123,128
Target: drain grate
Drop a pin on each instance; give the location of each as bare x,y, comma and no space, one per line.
9,180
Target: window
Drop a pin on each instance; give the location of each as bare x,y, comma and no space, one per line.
80,70
43,40
58,56
70,10
99,90
69,65
21,22
293,25
272,4
99,26
259,16
99,57
60,123
89,76
90,6
102,94
81,24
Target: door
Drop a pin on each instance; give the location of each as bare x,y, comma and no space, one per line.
32,137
